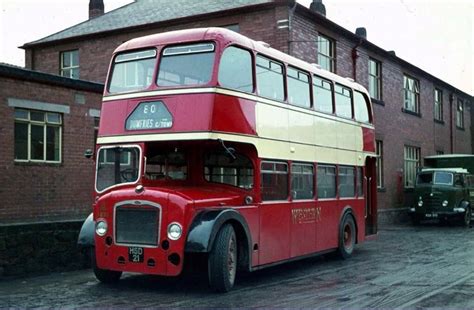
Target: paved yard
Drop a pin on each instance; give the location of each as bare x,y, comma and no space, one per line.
407,267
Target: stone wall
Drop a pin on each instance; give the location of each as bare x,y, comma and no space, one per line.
27,249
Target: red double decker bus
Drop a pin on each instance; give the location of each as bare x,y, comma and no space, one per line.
214,145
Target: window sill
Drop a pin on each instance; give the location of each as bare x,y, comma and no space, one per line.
408,189
411,112
377,101
38,163
381,189
438,121
460,128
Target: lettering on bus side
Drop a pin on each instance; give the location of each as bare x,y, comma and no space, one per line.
306,215
149,115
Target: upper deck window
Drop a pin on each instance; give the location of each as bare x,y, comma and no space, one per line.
343,101
298,88
132,71
270,78
361,112
322,94
186,65
235,69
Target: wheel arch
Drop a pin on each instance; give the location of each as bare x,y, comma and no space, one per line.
349,211
206,225
86,235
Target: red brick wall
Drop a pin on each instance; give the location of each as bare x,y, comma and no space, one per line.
38,192
95,53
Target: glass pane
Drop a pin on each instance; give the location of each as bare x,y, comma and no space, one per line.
360,187
37,142
66,60
37,116
343,102
326,184
274,186
186,69
53,118
361,112
117,173
131,76
302,182
322,95
75,58
298,90
21,114
235,69
74,73
269,82
346,182
52,143
21,141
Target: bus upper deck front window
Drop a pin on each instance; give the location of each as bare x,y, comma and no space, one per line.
186,65
117,165
132,71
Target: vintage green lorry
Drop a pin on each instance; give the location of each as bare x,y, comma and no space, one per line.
444,189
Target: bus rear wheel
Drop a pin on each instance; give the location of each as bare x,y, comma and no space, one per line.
103,275
347,236
222,261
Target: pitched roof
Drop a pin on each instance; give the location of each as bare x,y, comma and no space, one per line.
143,12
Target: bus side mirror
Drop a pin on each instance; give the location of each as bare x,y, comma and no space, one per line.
88,153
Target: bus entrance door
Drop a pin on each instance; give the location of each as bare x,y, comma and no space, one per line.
371,197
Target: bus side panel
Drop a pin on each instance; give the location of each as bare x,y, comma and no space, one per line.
274,242
327,229
304,216
233,114
358,207
251,215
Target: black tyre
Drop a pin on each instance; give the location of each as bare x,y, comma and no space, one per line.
466,220
222,261
347,236
103,275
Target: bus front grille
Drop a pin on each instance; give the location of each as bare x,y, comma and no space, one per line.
137,225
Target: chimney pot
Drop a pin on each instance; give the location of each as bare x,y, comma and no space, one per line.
361,32
96,8
317,6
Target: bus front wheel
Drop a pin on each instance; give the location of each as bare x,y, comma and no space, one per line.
222,261
103,275
347,236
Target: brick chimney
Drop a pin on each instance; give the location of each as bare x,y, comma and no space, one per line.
317,6
96,8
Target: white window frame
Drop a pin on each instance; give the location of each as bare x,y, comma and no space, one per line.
45,124
411,89
376,77
411,159
460,114
332,53
72,67
438,104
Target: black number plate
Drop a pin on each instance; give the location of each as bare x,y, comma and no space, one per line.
135,254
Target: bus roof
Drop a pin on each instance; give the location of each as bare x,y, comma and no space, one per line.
454,170
230,37
450,156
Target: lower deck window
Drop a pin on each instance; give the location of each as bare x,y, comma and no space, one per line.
274,179
326,181
302,181
222,168
346,182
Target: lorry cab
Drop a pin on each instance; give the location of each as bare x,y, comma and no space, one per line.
446,194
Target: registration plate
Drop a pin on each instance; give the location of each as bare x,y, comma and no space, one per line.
135,254
431,215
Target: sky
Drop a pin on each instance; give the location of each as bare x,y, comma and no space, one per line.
434,35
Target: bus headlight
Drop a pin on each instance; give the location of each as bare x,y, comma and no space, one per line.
445,203
101,228
174,231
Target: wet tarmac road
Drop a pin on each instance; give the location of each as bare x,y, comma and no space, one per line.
406,267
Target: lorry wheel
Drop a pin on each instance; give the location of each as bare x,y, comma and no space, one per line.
347,236
103,275
222,261
467,217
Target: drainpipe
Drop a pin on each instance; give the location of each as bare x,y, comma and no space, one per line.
355,55
451,133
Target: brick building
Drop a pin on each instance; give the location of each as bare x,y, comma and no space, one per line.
47,123
416,113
